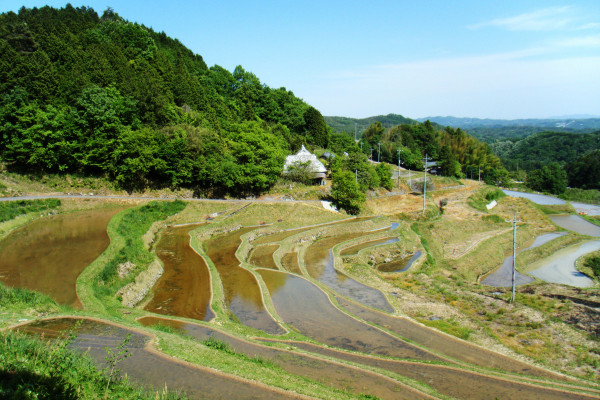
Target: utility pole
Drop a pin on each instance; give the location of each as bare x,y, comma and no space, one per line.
425,185
398,167
514,264
379,152
480,174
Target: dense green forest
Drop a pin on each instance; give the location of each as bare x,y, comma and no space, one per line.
101,96
358,125
544,148
98,95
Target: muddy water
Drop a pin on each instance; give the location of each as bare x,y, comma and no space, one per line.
242,293
149,368
318,261
353,250
304,306
279,236
444,344
184,288
456,383
399,265
576,224
289,262
48,254
327,372
262,256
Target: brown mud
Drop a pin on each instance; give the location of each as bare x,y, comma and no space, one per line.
148,367
242,293
327,372
306,307
184,288
48,254
450,381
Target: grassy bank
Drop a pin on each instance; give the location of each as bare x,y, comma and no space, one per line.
34,369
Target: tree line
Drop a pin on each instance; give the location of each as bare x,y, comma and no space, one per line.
99,95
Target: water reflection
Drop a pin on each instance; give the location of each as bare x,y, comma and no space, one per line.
184,288
304,306
327,372
148,367
576,224
399,265
560,266
48,254
318,261
242,293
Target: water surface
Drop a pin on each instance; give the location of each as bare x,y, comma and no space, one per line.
353,250
304,306
242,293
319,264
184,288
560,266
48,254
149,368
324,371
399,265
576,224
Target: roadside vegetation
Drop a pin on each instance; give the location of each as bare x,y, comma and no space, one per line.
12,209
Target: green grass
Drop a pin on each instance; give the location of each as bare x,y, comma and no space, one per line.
35,369
12,209
586,196
19,299
450,326
481,199
132,226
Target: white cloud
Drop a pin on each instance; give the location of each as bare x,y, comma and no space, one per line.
552,18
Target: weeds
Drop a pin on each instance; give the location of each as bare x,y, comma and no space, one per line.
12,209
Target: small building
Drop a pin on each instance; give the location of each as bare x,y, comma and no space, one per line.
304,157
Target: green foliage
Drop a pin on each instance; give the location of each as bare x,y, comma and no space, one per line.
384,172
32,369
482,198
346,192
550,178
21,299
315,127
593,263
107,97
541,149
584,172
133,225
12,209
575,194
299,172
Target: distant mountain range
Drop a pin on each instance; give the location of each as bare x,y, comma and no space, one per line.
357,125
571,123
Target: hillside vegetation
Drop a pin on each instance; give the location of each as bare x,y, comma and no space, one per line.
101,96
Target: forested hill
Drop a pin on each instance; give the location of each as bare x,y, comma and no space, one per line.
545,148
99,95
352,125
492,130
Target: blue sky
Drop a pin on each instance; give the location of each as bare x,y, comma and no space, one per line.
487,59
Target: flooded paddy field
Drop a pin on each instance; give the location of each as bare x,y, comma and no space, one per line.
319,263
453,382
306,307
147,366
400,265
328,372
184,288
242,292
48,254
